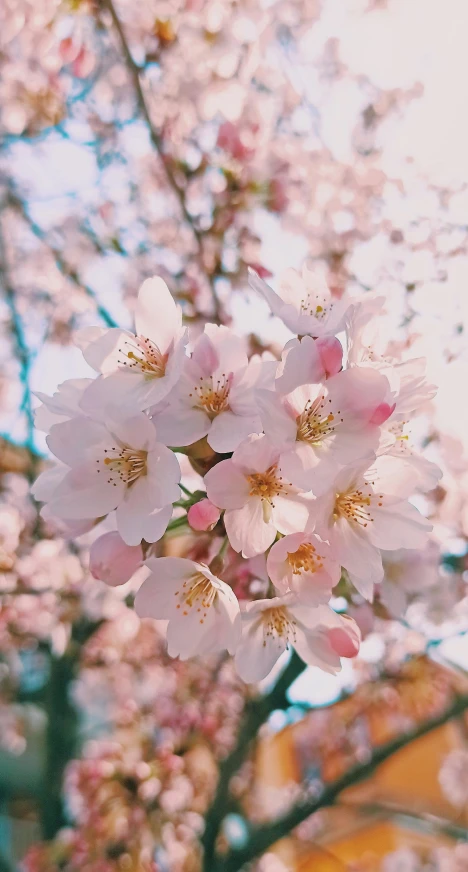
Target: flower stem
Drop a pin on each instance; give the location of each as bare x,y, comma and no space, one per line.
216,565
185,490
176,523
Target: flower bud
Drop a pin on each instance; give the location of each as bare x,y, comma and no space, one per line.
382,413
203,515
345,640
331,354
112,561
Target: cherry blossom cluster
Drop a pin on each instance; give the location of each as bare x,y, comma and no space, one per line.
139,793
305,459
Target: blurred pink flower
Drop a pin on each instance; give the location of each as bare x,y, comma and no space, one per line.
203,515
113,561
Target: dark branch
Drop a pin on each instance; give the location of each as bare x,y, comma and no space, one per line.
65,268
256,713
21,350
263,837
158,144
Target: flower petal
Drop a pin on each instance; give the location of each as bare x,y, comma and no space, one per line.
181,425
157,316
228,430
279,426
247,530
85,494
77,440
257,652
226,486
134,524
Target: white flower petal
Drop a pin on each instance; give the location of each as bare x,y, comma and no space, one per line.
157,316
226,486
247,530
228,430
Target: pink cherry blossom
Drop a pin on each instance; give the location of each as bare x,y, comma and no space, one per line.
63,405
410,388
363,512
202,610
453,778
345,640
258,499
395,446
308,361
323,427
304,564
140,369
203,515
304,303
270,626
215,396
408,572
112,560
331,354
414,390
402,860
365,346
117,465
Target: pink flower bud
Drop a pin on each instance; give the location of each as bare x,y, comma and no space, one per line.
382,413
203,515
345,641
331,354
112,561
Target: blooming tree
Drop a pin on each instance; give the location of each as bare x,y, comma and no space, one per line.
235,496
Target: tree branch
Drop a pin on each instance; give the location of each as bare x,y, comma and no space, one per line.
263,837
21,350
68,271
429,822
256,713
158,143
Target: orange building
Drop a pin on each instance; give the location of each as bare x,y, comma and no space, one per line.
400,805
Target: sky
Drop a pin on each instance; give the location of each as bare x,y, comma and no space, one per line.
409,41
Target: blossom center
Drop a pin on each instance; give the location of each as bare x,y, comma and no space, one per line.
266,484
402,439
356,506
317,305
278,624
394,572
197,594
212,394
317,421
123,464
305,559
142,355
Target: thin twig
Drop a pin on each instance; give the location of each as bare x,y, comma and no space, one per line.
176,523
158,143
21,350
65,268
425,820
